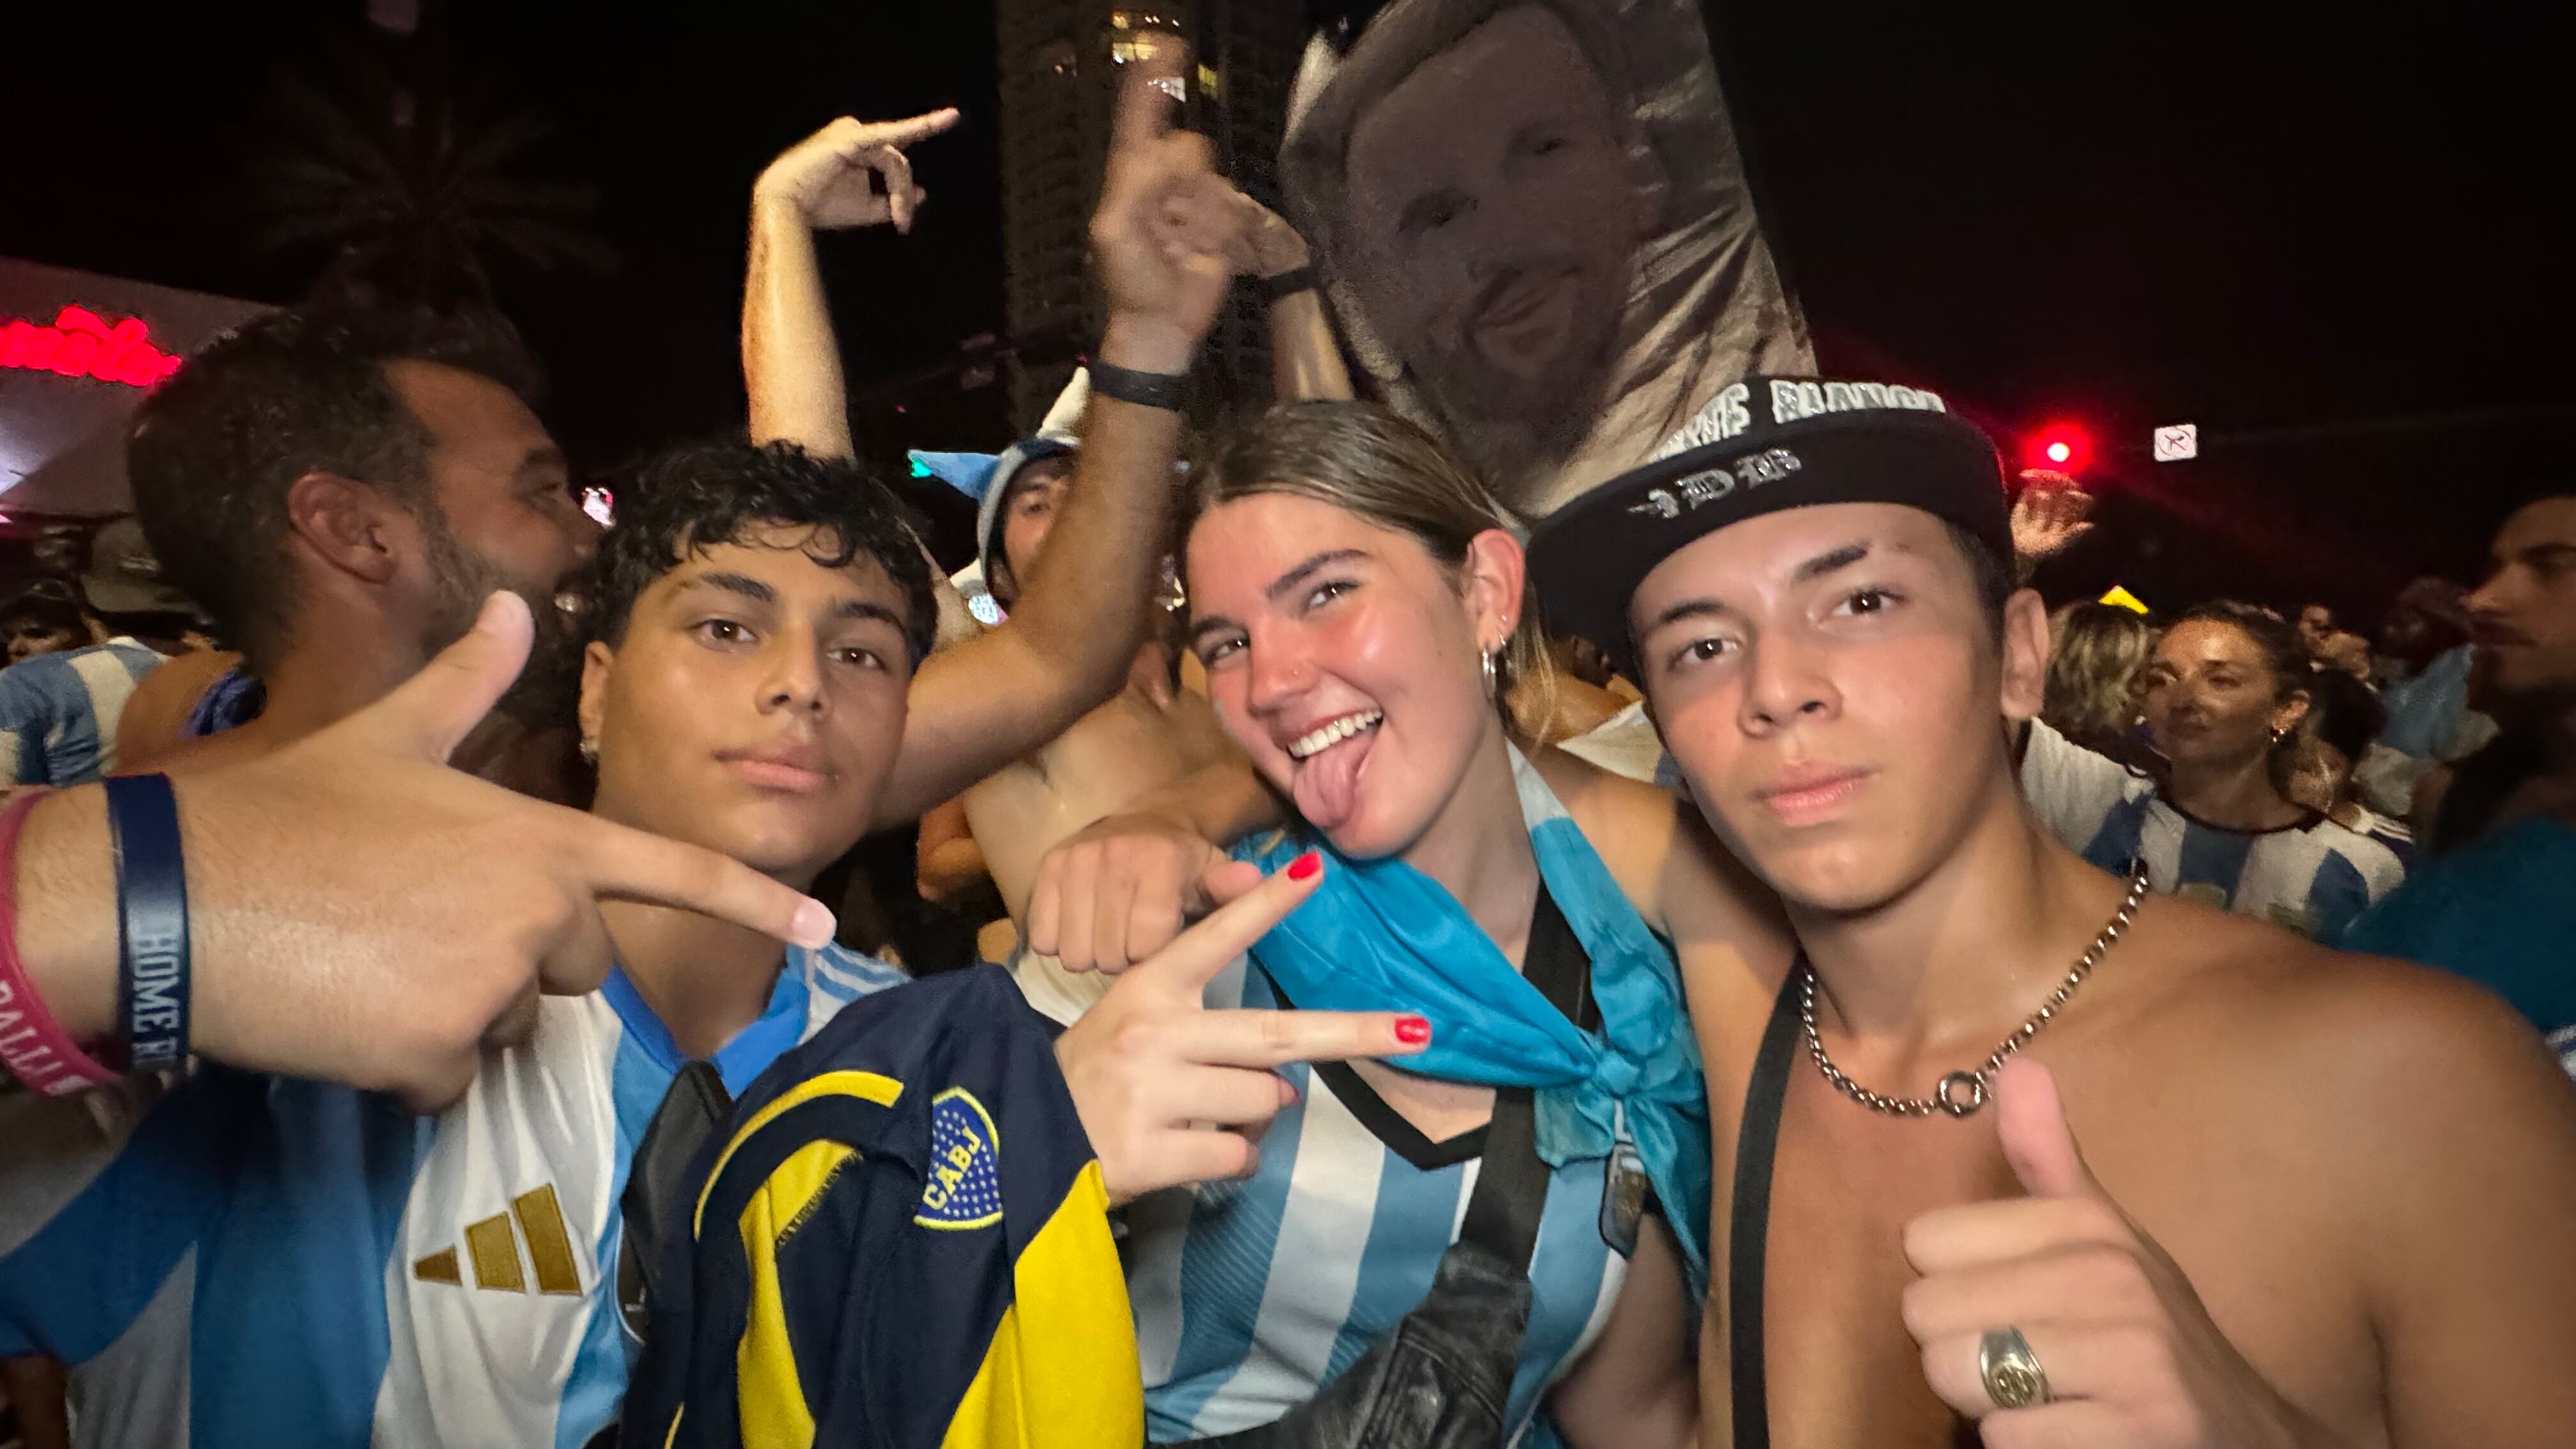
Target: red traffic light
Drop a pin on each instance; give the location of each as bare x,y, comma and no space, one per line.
2059,448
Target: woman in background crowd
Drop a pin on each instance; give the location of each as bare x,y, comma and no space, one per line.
2223,698
2095,654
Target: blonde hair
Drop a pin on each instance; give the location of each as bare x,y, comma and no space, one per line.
1369,461
2095,653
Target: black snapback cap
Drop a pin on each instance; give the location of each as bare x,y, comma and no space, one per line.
1759,446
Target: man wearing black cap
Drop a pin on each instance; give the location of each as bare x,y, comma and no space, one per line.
59,709
2321,1199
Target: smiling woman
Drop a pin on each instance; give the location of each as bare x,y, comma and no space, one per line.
1321,503
1362,611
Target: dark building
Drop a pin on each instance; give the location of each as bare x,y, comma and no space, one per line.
1060,64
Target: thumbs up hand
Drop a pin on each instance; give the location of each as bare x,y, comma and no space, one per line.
1170,1092
2130,1358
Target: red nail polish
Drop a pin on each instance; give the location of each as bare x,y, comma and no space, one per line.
1413,1030
1305,866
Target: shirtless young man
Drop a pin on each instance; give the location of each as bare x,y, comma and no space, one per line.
2320,1198
1154,753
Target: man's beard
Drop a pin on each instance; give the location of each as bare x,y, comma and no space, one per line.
549,687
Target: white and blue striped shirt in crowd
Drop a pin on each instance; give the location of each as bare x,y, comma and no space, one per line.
244,1260
58,712
1250,1296
2312,878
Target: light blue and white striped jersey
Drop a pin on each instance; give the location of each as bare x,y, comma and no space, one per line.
270,1261
2312,878
58,712
1250,1296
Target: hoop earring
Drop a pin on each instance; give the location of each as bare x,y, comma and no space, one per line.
1491,683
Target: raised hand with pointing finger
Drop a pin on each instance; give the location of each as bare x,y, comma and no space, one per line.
853,173
1171,1092
2054,1319
1163,234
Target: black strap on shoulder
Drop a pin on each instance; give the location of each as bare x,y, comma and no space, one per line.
1749,1228
1511,1186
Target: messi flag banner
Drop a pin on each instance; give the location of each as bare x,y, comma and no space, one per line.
1536,230
900,1241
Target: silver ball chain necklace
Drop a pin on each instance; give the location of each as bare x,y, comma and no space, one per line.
1961,1093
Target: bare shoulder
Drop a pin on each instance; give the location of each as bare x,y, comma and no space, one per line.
2436,1066
1674,869
1634,828
158,709
1197,730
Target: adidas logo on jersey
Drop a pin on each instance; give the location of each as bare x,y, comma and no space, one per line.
493,1248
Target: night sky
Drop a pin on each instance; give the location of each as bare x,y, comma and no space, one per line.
2340,246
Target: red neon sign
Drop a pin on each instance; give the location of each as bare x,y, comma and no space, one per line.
82,344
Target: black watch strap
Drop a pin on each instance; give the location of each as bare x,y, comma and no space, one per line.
1144,389
1287,284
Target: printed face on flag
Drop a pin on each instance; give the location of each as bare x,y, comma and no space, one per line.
1536,232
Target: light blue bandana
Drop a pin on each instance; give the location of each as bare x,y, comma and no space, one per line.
1379,935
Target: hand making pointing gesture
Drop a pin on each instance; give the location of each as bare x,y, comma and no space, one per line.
1171,1092
362,913
1162,234
827,176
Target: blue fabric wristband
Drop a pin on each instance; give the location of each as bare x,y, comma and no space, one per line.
151,919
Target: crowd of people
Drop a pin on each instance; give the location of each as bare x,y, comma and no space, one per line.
1723,962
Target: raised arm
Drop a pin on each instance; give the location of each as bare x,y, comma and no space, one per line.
1305,360
1083,608
791,363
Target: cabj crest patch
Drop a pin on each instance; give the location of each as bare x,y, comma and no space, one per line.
964,1189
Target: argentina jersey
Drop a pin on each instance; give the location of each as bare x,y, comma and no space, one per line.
1250,1296
272,1261
58,712
2313,877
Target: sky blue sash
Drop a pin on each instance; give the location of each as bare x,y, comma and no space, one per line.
1379,935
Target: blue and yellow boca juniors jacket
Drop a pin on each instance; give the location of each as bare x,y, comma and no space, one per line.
900,1239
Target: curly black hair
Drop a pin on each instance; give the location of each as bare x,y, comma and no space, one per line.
213,450
688,497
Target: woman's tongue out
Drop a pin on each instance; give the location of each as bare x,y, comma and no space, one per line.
1327,784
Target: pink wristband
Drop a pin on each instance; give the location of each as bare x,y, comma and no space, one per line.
33,1046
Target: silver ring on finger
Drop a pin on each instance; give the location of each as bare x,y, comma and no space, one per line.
2011,1372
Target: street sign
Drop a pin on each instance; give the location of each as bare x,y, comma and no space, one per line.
2177,442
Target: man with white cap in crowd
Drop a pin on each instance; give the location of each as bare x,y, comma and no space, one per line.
2321,1198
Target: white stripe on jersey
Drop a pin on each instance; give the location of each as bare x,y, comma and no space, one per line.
480,1365
473,1364
110,676
1332,1209
1314,1271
